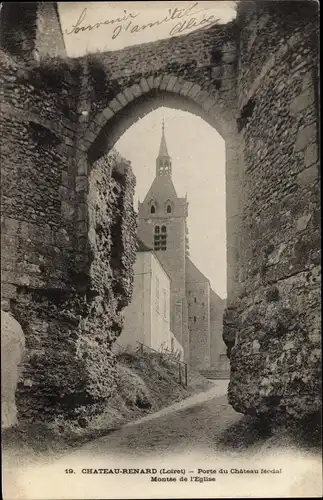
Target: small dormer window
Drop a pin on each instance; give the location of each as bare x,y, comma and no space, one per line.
169,209
152,209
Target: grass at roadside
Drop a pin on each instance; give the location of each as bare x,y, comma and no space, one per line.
144,384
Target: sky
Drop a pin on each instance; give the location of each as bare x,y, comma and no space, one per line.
197,150
77,15
198,170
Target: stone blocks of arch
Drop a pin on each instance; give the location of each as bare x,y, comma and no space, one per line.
168,83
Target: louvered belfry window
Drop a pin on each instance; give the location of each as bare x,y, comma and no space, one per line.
160,238
157,238
163,238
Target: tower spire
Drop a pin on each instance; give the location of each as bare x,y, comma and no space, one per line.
163,151
163,162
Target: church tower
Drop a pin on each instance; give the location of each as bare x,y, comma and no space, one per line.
162,226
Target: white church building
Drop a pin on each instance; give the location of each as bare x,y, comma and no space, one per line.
147,317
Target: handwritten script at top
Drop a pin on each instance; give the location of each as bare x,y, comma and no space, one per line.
184,18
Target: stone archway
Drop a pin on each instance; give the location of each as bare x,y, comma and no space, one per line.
169,84
266,79
131,104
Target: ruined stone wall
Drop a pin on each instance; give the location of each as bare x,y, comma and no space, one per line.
37,242
111,235
31,29
68,309
69,366
275,363
37,131
18,27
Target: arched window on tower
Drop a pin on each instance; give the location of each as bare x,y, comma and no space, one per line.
157,238
163,238
169,209
152,209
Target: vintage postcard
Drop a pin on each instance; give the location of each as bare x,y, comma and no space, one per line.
160,250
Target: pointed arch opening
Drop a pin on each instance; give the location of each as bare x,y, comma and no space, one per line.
152,206
128,107
109,127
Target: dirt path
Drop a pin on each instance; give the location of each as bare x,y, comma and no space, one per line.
182,427
219,389
183,437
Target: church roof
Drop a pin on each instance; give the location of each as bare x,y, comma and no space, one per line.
162,189
217,304
163,151
216,299
193,274
142,247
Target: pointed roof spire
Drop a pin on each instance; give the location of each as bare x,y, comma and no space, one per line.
163,146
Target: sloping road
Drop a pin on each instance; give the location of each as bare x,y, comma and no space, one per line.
183,437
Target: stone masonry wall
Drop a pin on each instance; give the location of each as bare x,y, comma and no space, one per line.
275,363
112,229
69,367
199,325
36,229
198,300
37,132
205,57
69,316
218,347
32,29
49,41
